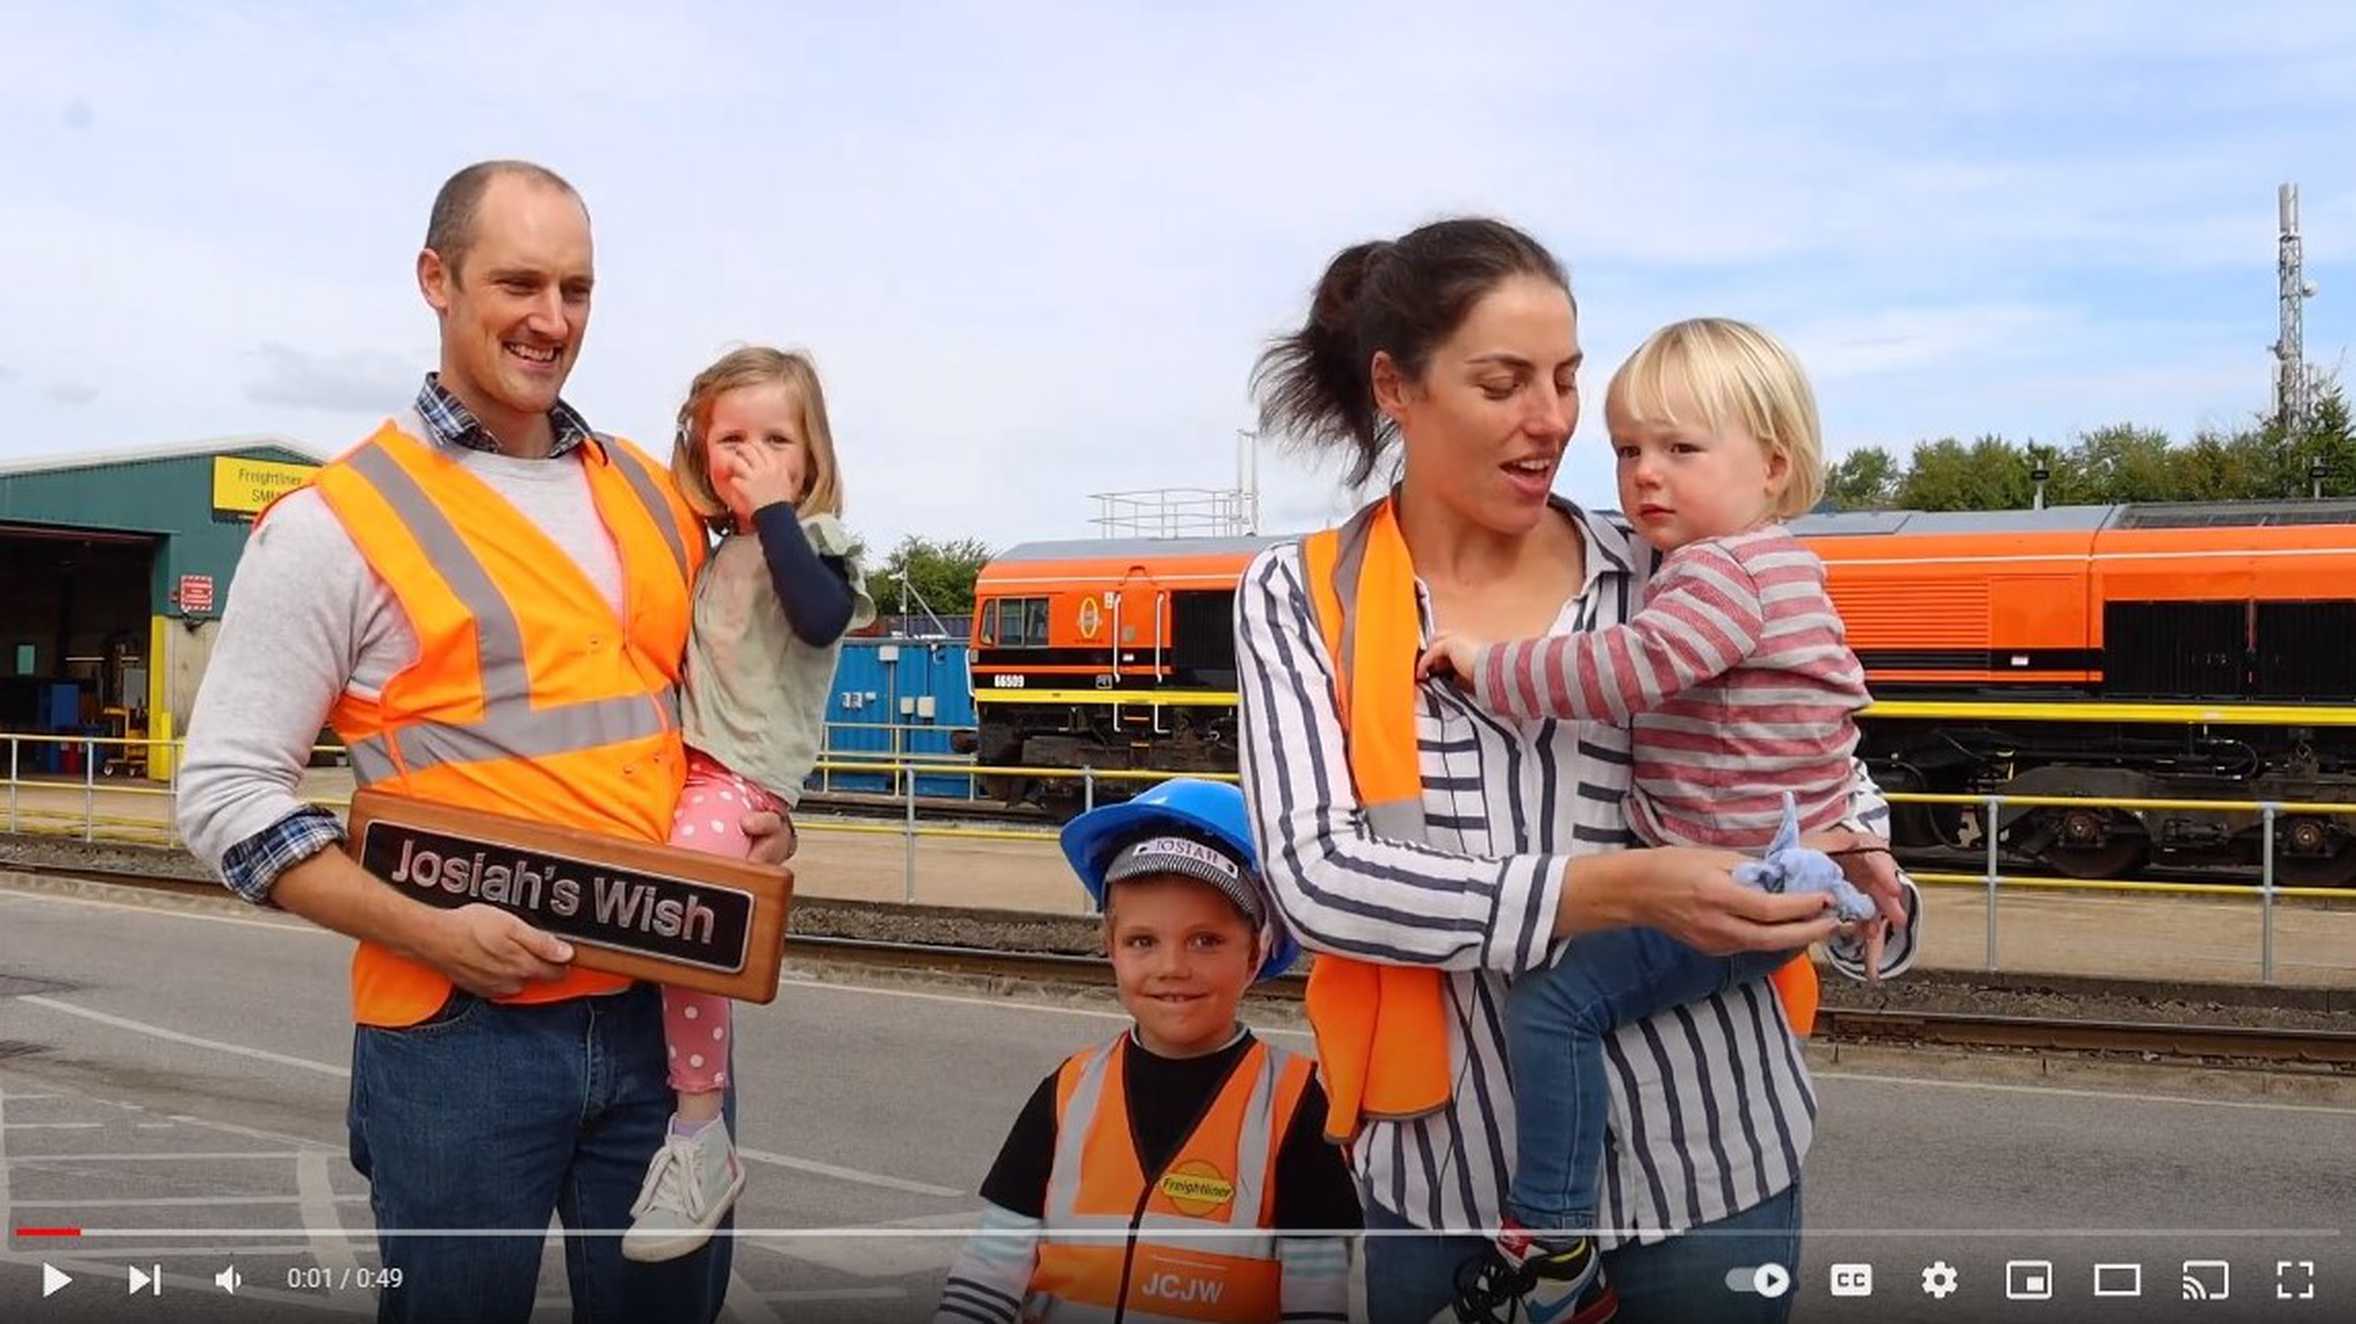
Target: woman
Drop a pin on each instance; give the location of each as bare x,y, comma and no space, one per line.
1439,849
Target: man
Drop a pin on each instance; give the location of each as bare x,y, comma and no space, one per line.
489,602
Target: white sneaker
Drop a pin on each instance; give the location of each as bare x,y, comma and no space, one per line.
690,1186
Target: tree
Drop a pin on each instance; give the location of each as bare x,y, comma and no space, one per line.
2331,439
2118,463
941,573
1989,474
2208,468
1864,479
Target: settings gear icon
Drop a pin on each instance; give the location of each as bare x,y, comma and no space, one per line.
1939,1279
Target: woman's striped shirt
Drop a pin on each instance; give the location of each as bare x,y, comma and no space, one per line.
1711,1110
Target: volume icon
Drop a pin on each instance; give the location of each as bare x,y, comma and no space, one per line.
228,1281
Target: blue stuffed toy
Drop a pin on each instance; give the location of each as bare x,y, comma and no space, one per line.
1792,867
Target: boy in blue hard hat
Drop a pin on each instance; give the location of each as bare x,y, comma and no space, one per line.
1180,1171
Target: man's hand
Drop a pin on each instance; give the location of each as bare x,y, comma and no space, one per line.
491,953
772,836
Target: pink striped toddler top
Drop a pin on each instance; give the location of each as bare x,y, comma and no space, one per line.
1737,683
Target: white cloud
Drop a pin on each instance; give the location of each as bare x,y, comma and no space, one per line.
1036,251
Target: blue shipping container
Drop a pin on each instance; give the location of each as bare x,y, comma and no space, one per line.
919,685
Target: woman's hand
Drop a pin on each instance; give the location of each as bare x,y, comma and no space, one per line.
1455,653
1689,893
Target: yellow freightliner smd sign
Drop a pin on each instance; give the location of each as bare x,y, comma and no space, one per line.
243,487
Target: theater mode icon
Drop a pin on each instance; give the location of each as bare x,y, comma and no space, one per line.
1852,1280
2118,1280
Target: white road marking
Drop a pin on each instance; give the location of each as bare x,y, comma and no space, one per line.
2061,1091
876,1179
9,893
194,1041
850,1174
744,1301
881,1256
5,1222
164,1156
256,1133
49,1126
199,1201
333,1251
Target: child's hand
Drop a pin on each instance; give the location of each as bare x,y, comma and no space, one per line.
751,476
1453,653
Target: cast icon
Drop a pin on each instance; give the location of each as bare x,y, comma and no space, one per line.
2207,1280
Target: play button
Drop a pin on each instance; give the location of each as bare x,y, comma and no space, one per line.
53,1281
1771,1280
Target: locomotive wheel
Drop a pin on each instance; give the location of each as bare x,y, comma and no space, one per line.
2108,860
2093,843
2316,870
1062,801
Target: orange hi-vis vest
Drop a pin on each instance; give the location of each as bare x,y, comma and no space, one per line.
529,696
1382,1030
1191,1242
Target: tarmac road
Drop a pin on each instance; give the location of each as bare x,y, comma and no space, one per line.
180,1073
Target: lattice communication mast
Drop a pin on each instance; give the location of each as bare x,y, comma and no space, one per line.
2294,382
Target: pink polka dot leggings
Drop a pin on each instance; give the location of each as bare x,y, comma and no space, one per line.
710,818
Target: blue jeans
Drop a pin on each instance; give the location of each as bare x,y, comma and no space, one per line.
1411,1279
486,1115
1556,1020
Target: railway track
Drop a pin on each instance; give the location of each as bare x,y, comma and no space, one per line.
2330,1050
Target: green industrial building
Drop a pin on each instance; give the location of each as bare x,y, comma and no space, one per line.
114,568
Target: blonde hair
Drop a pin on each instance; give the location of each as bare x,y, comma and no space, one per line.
1732,372
756,365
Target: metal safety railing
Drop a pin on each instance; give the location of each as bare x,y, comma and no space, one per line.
904,775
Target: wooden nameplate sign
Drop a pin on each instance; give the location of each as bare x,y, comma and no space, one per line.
628,907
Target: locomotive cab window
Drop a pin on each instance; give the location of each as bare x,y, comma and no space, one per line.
1015,623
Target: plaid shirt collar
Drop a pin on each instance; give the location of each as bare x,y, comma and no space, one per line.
454,424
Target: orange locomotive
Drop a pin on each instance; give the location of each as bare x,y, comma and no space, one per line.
2113,652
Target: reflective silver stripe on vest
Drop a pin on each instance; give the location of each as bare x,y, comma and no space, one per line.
1397,820
499,641
651,493
1071,1141
372,761
515,730
1348,560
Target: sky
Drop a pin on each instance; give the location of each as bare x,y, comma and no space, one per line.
1035,249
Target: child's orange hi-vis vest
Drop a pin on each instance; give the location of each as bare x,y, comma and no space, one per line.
1382,1030
1116,1243
529,696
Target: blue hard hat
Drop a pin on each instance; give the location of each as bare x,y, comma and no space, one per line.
1207,811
